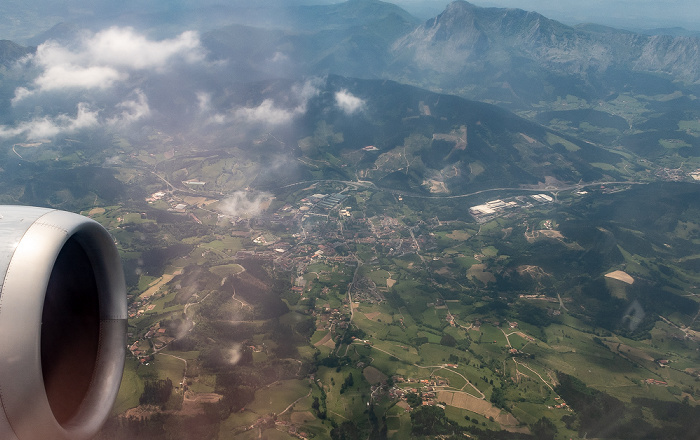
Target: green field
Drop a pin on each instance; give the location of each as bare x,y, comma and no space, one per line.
227,269
278,397
130,389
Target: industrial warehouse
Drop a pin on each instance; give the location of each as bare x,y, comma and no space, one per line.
497,208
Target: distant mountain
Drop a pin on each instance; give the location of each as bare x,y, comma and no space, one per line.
349,14
521,51
61,32
674,32
352,38
10,52
414,140
507,56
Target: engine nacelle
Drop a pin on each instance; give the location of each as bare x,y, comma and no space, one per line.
62,324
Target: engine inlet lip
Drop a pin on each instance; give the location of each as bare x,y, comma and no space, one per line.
22,392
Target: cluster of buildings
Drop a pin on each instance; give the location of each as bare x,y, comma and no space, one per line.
561,404
672,174
426,388
491,207
155,338
142,305
330,202
328,319
496,208
322,202
542,198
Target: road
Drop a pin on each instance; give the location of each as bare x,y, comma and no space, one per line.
538,374
293,403
537,190
549,188
439,367
354,280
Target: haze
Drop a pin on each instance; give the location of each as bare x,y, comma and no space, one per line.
328,211
20,21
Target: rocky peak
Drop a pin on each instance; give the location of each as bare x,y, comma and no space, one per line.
11,52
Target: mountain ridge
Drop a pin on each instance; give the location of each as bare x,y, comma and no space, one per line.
505,55
11,52
465,37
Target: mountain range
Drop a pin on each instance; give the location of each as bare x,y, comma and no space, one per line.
414,140
507,56
519,60
467,38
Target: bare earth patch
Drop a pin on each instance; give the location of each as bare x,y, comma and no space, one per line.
459,235
460,399
621,275
140,412
477,271
373,375
403,404
373,315
528,138
550,233
390,283
192,405
436,186
323,340
198,201
535,272
156,285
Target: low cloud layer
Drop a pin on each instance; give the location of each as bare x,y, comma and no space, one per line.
244,204
101,60
100,80
48,127
271,112
121,81
132,110
268,113
348,102
234,354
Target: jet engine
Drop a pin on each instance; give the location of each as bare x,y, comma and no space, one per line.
62,324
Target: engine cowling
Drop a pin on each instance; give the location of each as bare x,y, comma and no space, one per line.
62,324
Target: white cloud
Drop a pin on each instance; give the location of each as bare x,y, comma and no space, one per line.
124,47
245,204
69,76
204,100
97,67
100,60
270,113
234,354
132,110
348,102
309,89
206,109
47,127
279,57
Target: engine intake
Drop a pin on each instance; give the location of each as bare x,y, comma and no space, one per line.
62,324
